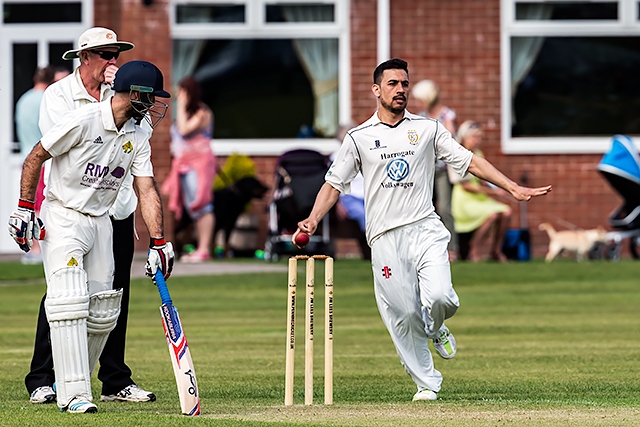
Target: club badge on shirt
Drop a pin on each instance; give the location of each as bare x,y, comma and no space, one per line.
412,135
127,147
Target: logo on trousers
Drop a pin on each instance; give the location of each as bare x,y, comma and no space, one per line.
386,272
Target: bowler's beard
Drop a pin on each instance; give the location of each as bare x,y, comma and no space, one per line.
391,108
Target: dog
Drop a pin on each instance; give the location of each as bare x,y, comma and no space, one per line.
578,241
230,202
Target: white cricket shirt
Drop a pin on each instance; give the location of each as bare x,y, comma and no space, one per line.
397,163
69,94
91,158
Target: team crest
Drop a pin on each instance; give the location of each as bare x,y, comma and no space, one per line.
72,262
413,137
127,147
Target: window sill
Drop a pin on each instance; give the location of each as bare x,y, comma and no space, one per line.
558,145
272,147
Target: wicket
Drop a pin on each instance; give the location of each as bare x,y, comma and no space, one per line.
291,332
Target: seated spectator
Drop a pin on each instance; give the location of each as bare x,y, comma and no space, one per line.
476,206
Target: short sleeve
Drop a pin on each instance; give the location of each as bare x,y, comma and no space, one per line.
345,167
142,161
62,137
452,153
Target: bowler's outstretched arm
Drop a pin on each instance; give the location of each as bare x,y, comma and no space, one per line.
481,168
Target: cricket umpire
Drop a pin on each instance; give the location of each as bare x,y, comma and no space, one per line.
93,149
98,50
396,152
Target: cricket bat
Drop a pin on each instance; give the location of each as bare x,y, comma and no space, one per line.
178,351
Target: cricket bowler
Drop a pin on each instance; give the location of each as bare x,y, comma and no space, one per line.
396,152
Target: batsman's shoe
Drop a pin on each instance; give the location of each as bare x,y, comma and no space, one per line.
425,394
131,393
79,406
445,343
43,394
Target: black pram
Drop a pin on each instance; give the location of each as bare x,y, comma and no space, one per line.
298,177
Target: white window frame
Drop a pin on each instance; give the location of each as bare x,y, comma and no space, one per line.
41,34
256,27
627,24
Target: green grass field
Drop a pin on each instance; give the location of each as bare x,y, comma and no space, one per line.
538,345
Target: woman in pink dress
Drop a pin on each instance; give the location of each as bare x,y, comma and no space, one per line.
193,168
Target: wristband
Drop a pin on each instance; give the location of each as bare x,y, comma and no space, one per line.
153,242
26,204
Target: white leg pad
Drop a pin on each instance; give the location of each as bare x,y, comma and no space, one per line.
104,309
67,308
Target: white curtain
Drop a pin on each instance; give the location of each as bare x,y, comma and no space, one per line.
187,52
319,57
185,57
525,50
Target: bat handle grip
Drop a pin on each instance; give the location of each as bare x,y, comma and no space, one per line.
162,288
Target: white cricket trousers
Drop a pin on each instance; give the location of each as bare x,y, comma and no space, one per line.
413,290
76,239
78,263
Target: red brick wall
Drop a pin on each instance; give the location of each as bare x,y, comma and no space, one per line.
455,43
148,28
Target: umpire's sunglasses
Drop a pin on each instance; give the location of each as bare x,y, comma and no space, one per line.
106,55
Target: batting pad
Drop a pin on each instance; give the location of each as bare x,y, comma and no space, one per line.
104,309
67,308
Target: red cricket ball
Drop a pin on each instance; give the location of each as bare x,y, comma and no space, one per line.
302,239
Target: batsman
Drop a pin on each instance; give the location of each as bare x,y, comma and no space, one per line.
92,150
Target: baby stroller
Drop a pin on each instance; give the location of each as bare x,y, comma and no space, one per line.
621,168
298,178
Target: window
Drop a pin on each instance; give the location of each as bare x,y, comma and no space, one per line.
25,62
269,70
32,33
569,74
23,12
210,13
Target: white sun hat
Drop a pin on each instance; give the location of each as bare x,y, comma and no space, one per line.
97,37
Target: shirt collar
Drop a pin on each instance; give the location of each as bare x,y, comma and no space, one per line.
375,120
109,122
81,93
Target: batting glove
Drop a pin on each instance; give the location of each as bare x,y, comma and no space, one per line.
24,226
160,257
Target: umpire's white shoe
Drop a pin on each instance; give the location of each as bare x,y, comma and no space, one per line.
43,394
79,406
445,343
425,394
131,393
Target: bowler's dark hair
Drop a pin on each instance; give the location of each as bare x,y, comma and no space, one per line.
194,94
391,64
